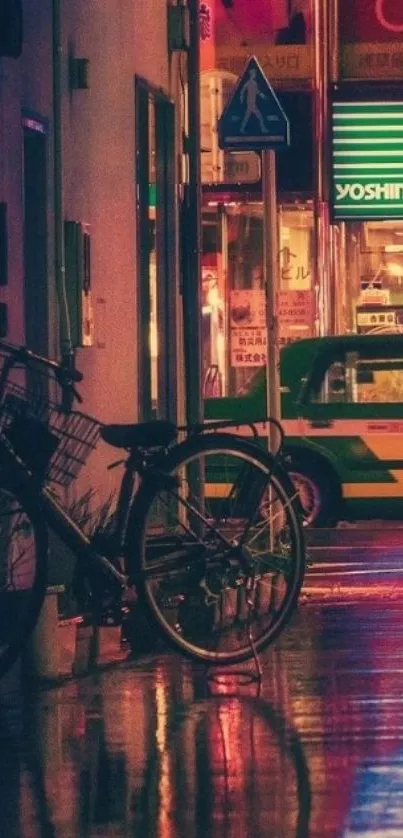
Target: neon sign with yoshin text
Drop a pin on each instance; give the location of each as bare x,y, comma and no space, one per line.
367,160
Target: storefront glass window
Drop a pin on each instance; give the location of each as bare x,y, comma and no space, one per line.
376,276
234,301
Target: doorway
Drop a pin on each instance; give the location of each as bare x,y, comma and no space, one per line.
36,299
156,252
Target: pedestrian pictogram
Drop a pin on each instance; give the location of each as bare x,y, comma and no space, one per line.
253,118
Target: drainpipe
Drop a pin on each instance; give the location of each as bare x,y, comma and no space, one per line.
338,260
60,265
191,231
334,57
324,307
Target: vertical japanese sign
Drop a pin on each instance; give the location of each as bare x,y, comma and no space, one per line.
295,272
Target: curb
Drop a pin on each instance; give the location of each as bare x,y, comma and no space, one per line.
71,649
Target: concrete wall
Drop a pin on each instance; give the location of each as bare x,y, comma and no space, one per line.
119,40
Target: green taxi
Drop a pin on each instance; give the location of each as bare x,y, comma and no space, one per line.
342,412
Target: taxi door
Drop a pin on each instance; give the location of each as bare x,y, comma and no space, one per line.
352,412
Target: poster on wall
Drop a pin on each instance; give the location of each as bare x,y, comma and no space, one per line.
247,316
223,23
248,347
247,308
296,315
248,323
278,33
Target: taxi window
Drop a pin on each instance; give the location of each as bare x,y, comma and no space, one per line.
379,380
356,379
332,387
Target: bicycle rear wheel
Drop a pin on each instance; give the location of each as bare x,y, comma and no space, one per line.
23,572
220,554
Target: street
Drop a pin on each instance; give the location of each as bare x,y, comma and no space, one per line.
159,747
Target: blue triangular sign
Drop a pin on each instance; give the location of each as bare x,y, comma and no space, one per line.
253,118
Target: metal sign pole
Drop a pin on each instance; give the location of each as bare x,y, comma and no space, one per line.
254,120
191,232
271,280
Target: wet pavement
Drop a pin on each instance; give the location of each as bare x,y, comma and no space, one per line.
160,748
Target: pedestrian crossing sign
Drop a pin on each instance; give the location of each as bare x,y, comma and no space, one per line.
253,118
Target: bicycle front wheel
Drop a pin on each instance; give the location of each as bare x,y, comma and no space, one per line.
23,570
221,559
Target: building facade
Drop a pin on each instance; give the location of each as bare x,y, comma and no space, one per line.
90,150
366,165
95,132
336,68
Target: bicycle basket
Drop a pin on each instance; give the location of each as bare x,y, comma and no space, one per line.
53,444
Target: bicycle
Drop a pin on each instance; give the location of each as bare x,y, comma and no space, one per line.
206,531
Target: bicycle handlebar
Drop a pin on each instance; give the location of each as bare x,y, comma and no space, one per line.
65,376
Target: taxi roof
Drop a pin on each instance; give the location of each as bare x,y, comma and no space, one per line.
297,358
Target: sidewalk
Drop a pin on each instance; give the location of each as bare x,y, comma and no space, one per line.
163,749
69,649
350,562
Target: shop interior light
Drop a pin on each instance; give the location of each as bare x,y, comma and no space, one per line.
395,269
153,336
213,297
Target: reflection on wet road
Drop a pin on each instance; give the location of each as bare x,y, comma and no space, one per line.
159,749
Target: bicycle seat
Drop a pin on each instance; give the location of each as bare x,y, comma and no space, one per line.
143,435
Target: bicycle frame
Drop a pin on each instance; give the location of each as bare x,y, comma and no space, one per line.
58,520
136,465
193,559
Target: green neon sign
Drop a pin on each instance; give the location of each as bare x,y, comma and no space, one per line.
367,160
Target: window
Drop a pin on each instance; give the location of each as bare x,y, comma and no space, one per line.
233,289
357,379
379,380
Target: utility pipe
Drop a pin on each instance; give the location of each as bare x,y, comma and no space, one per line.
191,230
321,165
58,209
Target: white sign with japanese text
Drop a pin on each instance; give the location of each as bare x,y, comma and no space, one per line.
248,347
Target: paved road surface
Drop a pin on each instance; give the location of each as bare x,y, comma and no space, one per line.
356,561
158,748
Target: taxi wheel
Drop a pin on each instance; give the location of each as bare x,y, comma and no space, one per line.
318,493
